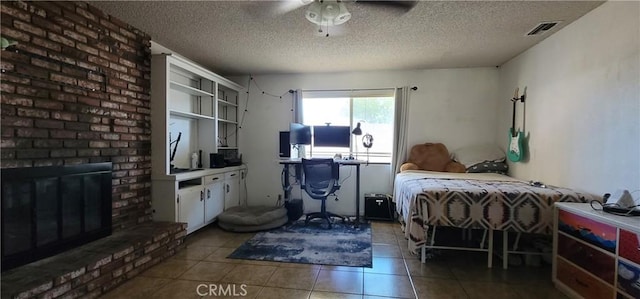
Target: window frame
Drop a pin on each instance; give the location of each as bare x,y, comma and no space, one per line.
356,148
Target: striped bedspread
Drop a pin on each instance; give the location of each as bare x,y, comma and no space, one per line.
475,200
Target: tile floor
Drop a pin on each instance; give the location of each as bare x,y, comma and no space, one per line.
202,268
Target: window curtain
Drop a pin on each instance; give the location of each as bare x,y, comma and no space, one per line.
401,124
297,106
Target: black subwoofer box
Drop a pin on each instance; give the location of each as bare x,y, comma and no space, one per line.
295,209
379,207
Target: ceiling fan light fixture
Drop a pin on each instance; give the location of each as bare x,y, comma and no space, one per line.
330,10
327,13
343,15
314,13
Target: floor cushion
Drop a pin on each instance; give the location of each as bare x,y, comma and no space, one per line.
248,219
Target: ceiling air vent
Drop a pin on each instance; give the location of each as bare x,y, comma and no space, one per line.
542,28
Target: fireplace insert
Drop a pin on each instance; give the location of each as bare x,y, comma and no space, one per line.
48,210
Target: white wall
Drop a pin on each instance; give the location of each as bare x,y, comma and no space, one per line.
582,110
453,106
583,102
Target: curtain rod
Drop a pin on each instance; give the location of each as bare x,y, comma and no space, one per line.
352,89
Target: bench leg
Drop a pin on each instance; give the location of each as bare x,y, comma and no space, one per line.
505,247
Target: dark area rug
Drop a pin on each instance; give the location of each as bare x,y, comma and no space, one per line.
342,245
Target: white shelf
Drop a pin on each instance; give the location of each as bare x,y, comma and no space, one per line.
186,100
190,90
227,147
185,103
227,121
223,102
190,115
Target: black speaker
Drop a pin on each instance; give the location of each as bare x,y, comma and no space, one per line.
379,207
285,146
216,161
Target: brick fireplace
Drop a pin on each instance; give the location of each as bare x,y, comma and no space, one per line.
75,89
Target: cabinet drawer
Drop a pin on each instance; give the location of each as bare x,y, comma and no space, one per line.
209,179
629,278
588,230
630,246
581,282
587,257
232,175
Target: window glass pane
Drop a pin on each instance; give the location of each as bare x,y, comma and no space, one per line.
376,117
375,113
319,111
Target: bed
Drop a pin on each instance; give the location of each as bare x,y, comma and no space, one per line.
488,201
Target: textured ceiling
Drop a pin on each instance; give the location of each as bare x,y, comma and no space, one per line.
252,37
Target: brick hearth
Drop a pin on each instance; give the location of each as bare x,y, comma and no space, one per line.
97,267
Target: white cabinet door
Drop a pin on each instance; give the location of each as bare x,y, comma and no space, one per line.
232,189
214,199
190,207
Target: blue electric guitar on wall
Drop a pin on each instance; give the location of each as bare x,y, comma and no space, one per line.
515,151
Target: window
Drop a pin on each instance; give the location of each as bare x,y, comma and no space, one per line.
374,109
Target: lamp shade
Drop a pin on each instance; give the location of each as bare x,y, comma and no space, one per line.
314,13
343,15
357,130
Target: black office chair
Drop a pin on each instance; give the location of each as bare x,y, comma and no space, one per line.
320,181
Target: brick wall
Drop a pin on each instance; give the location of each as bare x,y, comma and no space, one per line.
74,90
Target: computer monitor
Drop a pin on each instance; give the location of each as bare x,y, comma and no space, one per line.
332,136
299,134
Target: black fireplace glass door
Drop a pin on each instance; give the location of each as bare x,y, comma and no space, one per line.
47,211
17,214
72,205
92,202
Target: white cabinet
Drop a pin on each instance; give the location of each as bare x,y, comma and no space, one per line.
190,204
193,111
232,189
196,197
214,196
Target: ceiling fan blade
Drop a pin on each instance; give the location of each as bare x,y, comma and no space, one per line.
283,7
399,5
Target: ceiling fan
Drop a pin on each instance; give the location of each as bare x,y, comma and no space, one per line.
327,13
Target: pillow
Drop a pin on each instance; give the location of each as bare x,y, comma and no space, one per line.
471,155
489,166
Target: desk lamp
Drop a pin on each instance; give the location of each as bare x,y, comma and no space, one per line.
357,131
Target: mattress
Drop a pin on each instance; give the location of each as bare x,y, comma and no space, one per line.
475,201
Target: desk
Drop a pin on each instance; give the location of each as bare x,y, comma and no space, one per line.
343,162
